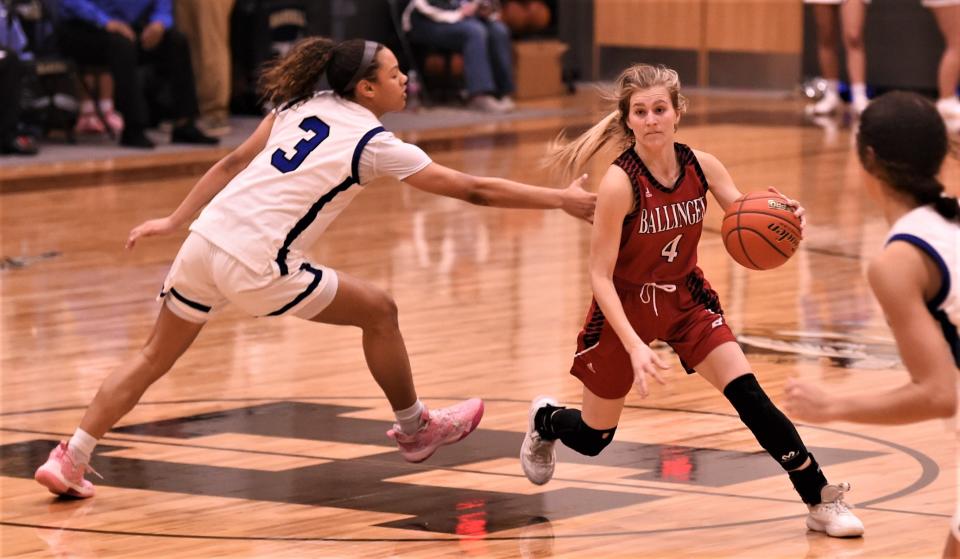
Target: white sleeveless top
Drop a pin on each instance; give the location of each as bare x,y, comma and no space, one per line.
319,155
924,228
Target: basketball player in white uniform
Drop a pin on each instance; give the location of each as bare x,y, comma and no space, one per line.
902,142
269,201
850,15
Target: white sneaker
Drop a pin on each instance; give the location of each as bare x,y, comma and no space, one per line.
537,456
828,104
507,104
486,104
949,108
833,515
858,105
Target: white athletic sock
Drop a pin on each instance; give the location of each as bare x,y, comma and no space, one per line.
106,105
858,91
81,446
409,419
86,107
833,86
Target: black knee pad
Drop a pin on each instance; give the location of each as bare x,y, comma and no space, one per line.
587,440
775,433
567,424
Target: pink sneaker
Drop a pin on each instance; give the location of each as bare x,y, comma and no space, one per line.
438,428
62,476
115,121
88,123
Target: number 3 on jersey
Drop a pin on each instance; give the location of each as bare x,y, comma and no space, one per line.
303,148
670,251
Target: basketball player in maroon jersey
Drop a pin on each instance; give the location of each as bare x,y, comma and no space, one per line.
647,286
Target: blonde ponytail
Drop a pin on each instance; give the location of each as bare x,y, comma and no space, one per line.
570,158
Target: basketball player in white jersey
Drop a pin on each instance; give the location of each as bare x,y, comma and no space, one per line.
269,201
851,15
902,143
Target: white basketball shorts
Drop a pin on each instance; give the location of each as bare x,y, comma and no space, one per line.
203,279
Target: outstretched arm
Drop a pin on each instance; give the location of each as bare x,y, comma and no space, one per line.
503,193
208,186
897,277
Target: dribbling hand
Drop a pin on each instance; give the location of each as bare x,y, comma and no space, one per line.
798,210
645,362
151,228
578,202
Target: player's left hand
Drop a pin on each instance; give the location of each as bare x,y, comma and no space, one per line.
577,201
808,402
162,226
797,208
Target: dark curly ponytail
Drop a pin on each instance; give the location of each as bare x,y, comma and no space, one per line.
296,76
902,140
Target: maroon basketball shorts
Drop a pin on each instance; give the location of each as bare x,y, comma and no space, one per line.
685,314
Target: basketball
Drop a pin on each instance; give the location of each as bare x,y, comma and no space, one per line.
760,231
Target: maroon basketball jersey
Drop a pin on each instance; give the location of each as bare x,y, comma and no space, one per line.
659,238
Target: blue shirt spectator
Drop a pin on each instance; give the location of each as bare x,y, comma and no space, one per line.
11,34
99,12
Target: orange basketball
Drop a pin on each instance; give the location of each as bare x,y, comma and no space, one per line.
760,231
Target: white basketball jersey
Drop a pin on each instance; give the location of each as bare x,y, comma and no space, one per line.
924,228
318,156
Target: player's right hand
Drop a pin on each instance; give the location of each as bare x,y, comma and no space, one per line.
645,362
150,228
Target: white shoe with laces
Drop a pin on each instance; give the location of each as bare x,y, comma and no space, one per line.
833,515
538,457
828,104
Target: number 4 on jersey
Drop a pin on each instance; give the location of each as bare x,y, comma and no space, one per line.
670,249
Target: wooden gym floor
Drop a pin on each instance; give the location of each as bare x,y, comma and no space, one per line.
267,438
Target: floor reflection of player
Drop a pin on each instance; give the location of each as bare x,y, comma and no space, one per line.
837,232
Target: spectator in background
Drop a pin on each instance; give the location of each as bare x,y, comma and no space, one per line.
472,27
121,34
851,15
947,14
206,24
89,122
13,49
